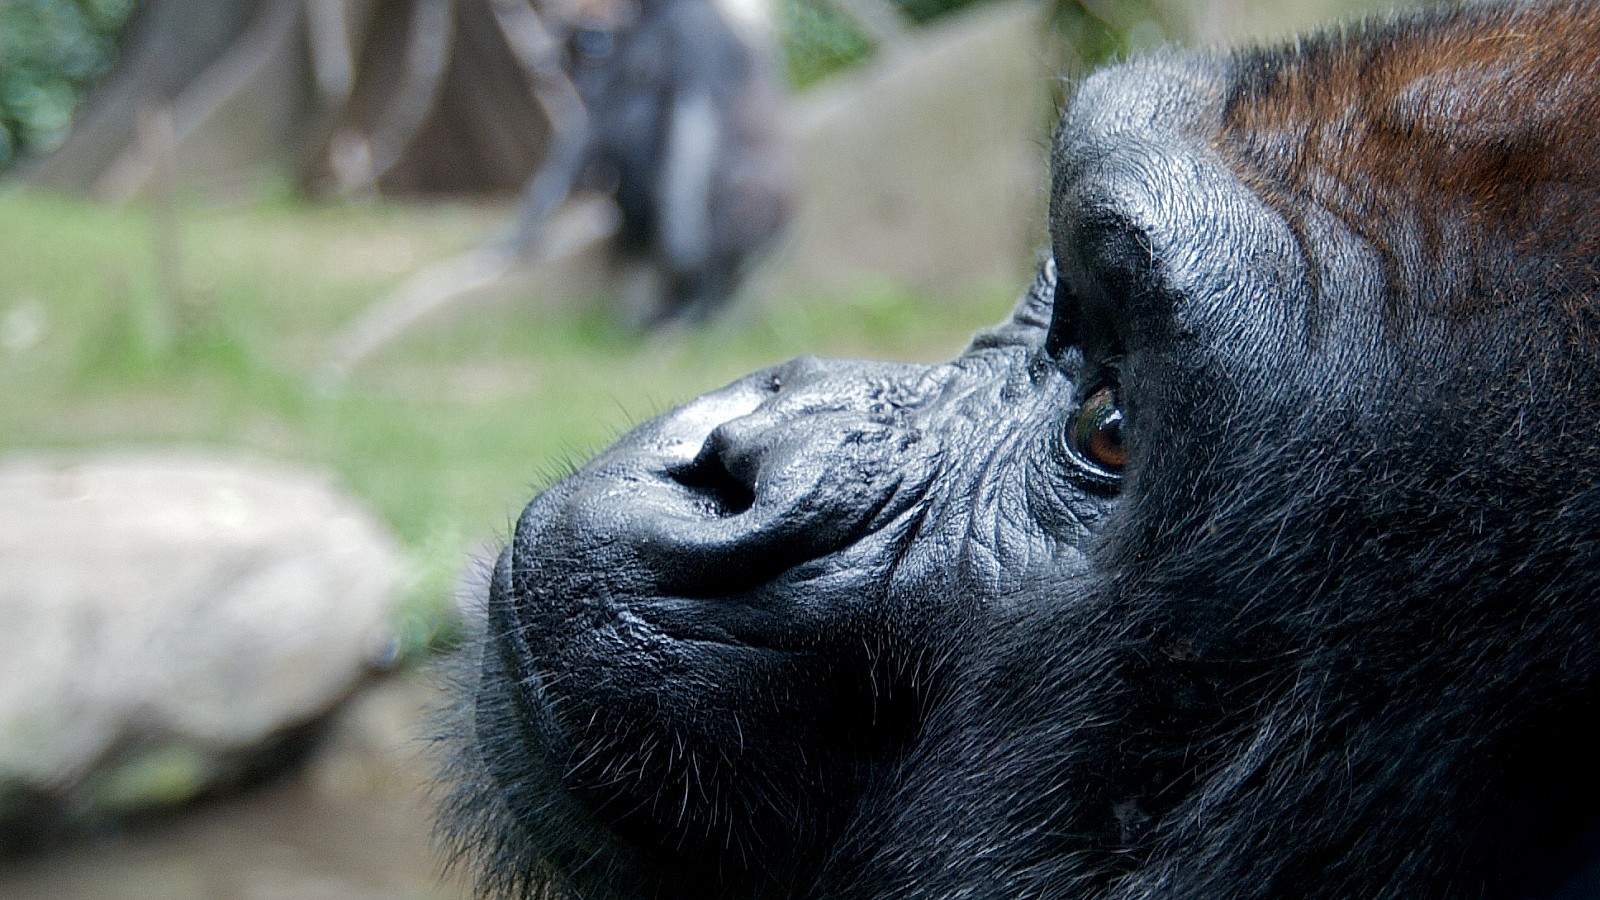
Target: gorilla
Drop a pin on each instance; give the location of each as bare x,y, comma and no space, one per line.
683,126
1256,555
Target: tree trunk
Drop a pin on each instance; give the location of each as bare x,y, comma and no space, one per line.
339,96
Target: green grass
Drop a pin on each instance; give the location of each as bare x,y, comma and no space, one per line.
207,327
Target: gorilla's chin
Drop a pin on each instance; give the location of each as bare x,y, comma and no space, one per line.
642,765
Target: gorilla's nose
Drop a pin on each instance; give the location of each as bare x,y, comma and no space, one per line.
808,462
727,491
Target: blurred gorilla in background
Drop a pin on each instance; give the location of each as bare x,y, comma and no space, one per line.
1256,555
682,123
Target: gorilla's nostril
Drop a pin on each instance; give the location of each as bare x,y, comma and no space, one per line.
710,481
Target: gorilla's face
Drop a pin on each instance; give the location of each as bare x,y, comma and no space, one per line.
1254,555
727,624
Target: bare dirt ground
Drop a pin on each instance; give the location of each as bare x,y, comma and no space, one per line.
353,825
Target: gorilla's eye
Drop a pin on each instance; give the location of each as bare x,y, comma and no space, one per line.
1096,432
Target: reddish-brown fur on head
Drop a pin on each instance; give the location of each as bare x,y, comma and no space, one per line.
1469,143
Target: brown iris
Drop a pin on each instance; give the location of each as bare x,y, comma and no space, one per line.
1096,432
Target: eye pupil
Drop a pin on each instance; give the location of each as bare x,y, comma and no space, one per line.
1097,432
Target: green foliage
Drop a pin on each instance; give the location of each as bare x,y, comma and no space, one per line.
1097,32
818,40
51,51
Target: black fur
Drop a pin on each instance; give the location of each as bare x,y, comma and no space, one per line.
854,630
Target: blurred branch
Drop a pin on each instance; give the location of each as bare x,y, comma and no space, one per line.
539,53
158,139
332,58
196,104
444,284
427,56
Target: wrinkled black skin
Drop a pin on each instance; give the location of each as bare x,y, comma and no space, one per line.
861,630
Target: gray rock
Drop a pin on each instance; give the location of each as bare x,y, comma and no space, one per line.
172,621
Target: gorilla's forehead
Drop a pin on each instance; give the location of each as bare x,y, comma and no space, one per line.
1132,126
1155,99
1383,174
1133,162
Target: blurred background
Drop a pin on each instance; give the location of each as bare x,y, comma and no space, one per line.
300,301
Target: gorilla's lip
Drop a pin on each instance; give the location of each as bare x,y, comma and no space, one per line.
739,626
729,556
